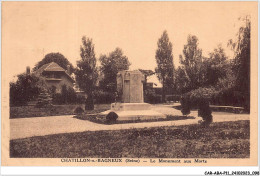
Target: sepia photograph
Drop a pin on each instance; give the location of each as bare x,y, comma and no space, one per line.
129,83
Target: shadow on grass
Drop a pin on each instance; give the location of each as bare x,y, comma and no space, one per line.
102,119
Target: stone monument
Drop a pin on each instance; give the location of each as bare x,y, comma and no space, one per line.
129,103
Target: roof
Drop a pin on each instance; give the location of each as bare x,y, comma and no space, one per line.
52,67
49,67
154,79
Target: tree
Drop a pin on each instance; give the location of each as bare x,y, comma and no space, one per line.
67,96
44,99
228,81
165,67
215,67
241,48
147,73
192,64
181,83
26,88
86,71
57,58
110,65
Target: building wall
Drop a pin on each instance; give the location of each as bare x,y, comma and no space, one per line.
58,84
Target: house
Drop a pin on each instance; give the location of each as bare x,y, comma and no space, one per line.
154,83
55,76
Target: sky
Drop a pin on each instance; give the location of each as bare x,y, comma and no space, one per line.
31,30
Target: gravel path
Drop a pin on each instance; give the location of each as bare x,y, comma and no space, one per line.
41,126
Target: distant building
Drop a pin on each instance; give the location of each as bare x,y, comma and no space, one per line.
55,76
154,83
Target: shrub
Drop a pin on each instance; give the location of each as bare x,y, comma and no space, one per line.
204,111
197,95
67,96
229,97
111,117
198,98
89,103
57,98
151,97
223,97
185,105
80,99
102,97
44,99
78,110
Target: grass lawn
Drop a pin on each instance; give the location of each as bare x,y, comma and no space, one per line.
56,110
220,140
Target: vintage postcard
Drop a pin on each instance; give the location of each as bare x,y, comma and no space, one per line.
129,84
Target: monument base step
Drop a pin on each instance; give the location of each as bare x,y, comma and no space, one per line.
136,115
130,106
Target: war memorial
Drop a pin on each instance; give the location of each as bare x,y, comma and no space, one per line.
129,103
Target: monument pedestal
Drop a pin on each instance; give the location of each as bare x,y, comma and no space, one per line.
134,111
130,106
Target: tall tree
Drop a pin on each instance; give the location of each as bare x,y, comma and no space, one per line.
86,71
241,67
57,58
181,82
215,67
164,59
110,65
192,64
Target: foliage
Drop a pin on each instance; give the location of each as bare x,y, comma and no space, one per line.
86,71
215,67
185,105
227,82
111,117
198,71
67,96
78,110
110,65
147,73
199,98
204,111
241,48
191,65
164,60
201,93
223,96
26,88
57,58
181,81
229,97
151,97
44,99
103,97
